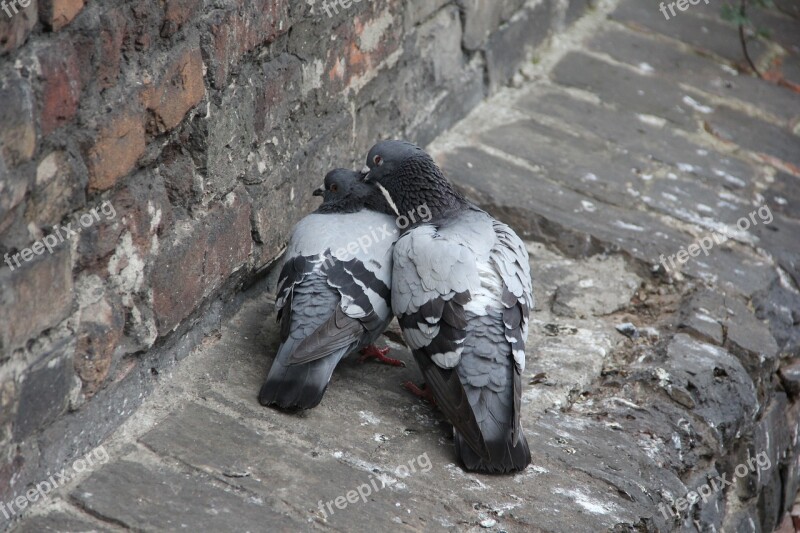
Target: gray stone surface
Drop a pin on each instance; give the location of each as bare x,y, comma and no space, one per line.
157,498
780,307
699,26
45,390
57,522
712,383
727,321
601,287
762,137
653,54
790,376
508,47
631,90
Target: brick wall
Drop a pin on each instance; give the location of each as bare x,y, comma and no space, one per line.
203,126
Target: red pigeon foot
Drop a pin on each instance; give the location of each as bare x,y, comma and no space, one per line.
424,392
373,352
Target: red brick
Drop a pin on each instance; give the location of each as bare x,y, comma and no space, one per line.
278,91
177,13
18,131
14,29
148,18
35,296
61,86
352,58
196,260
178,279
116,150
59,189
177,169
55,14
180,88
110,53
137,205
235,33
99,48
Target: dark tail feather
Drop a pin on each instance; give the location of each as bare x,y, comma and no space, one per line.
505,458
299,386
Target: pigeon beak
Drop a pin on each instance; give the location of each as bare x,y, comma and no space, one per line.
319,192
365,172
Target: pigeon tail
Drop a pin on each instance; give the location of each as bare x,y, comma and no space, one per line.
298,387
505,458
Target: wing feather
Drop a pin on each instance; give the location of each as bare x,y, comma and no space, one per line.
431,284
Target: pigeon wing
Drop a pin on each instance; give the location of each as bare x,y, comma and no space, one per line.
355,318
294,271
510,259
431,283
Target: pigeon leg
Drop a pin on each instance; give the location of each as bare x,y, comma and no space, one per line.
373,352
424,392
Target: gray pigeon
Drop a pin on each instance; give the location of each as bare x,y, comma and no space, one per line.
461,290
333,291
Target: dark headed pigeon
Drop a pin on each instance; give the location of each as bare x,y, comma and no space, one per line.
461,290
333,291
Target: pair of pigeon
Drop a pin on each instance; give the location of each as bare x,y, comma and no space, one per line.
458,282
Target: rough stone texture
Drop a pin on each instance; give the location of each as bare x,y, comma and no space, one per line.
607,181
115,151
698,26
37,295
650,54
779,306
157,492
515,41
60,185
727,321
179,89
55,14
44,390
207,252
482,19
790,375
18,135
14,29
98,336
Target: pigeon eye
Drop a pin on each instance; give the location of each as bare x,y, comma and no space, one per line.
378,160
334,188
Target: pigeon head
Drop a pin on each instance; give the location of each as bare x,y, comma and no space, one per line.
344,191
408,178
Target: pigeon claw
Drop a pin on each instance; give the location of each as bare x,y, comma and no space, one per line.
420,392
373,352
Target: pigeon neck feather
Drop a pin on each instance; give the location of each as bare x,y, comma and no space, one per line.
420,182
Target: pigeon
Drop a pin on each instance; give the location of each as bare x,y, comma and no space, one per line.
333,292
461,291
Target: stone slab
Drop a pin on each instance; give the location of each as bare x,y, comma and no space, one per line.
667,61
158,498
699,26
